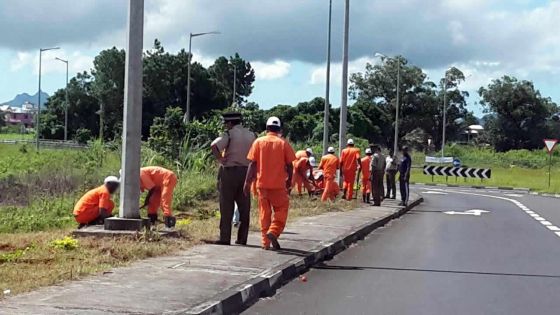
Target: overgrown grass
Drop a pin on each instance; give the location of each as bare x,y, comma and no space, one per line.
16,136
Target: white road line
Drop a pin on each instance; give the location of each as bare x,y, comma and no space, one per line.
525,209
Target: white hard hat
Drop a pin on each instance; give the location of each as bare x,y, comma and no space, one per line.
330,150
368,151
350,141
309,150
273,121
312,161
215,141
111,179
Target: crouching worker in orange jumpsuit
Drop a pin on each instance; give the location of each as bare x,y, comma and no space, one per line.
271,165
349,164
160,183
96,205
302,167
366,183
329,164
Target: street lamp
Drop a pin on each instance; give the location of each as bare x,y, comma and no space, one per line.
382,56
344,92
234,103
445,82
41,50
328,83
188,109
66,105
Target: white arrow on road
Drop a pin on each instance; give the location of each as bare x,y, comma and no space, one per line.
476,212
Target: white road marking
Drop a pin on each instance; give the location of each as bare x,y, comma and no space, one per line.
513,195
475,212
434,192
525,209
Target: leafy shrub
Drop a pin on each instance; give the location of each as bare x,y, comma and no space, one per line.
83,135
66,243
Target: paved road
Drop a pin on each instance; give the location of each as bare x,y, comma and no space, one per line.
502,262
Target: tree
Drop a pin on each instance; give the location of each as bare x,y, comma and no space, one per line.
518,114
222,73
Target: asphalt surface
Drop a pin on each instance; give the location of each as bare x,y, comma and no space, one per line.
504,261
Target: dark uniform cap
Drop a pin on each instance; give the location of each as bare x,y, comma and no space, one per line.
231,116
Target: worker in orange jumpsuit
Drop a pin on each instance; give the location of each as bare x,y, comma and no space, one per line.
160,183
329,164
349,164
366,184
271,166
96,205
302,166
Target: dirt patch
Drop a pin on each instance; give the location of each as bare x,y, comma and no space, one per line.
13,193
17,191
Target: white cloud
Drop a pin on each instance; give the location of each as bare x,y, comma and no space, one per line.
22,59
78,62
271,71
319,74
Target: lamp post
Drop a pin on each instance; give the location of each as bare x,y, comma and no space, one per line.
397,106
188,109
66,101
344,92
444,114
328,83
234,103
41,50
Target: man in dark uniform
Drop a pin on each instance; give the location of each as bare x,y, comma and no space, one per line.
231,151
377,174
404,175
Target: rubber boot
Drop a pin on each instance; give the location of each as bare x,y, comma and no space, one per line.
368,198
170,222
153,218
364,198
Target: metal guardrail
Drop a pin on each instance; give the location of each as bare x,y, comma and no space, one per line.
48,143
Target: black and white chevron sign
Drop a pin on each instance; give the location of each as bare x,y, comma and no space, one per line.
484,173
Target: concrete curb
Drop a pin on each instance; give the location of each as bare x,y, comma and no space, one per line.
475,186
239,298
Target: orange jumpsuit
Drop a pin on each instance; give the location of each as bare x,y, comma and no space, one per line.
271,155
163,182
366,183
329,164
349,164
301,166
87,208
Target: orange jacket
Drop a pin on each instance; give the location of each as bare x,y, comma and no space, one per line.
93,200
154,176
366,161
329,164
349,159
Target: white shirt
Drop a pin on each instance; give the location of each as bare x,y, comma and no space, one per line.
390,166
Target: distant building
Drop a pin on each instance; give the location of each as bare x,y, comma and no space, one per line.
24,116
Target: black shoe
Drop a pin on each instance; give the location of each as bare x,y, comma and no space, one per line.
236,224
402,204
273,241
240,243
169,222
81,226
386,197
393,198
153,218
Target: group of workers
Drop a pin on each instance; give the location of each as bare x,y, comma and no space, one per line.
268,168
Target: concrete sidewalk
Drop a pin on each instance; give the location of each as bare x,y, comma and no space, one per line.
209,279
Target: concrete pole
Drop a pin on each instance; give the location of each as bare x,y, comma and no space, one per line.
66,107
233,103
130,181
188,109
344,92
396,144
38,102
328,86
444,115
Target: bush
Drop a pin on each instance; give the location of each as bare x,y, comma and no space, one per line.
83,135
66,243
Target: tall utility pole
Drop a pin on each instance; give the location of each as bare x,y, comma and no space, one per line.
132,124
328,86
344,92
188,109
37,120
397,106
67,103
233,103
444,115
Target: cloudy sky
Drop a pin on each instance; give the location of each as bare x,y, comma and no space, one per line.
286,40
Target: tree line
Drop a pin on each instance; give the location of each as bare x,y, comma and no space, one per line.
516,115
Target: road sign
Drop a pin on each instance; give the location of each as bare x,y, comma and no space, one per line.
467,172
550,144
457,162
475,212
439,160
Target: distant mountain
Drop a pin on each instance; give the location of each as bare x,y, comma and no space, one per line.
24,97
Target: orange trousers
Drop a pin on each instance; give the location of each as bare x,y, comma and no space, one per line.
89,215
273,212
366,186
331,190
298,181
163,196
349,177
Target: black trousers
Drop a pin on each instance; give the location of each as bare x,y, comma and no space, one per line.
404,186
377,188
230,183
391,178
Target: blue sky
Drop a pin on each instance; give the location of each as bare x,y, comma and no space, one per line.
285,40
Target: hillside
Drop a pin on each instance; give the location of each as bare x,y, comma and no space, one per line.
24,97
